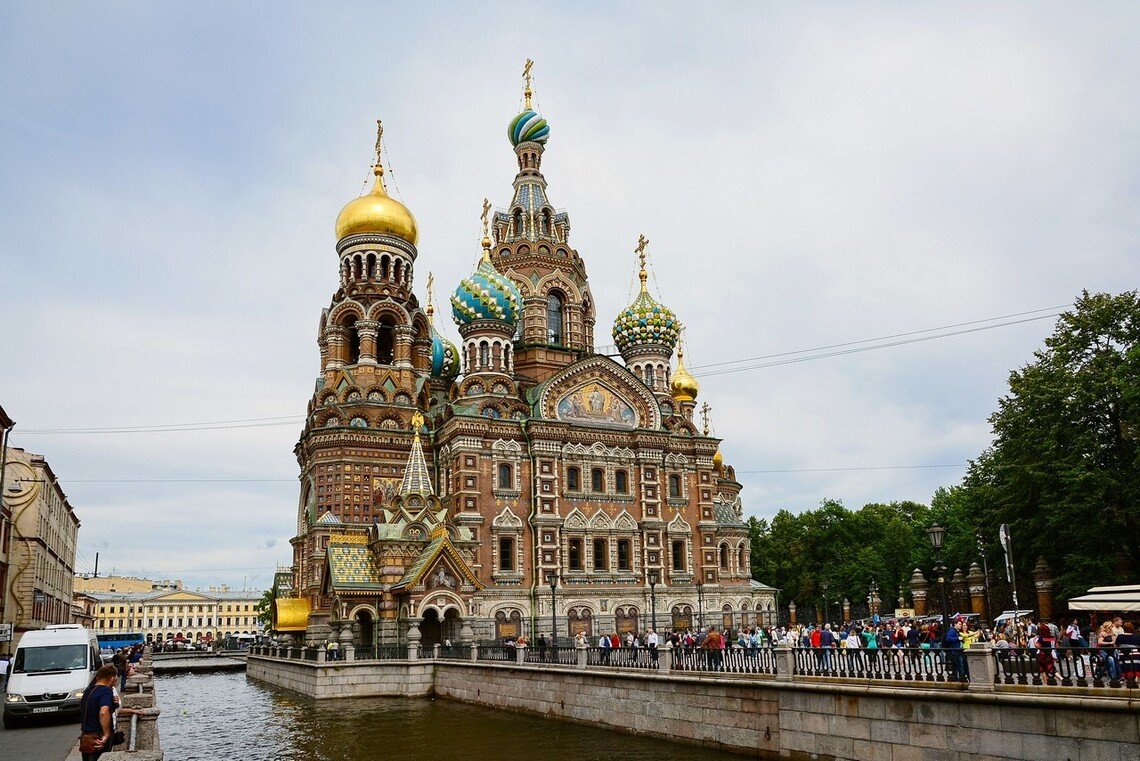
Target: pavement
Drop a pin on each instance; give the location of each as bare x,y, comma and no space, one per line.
48,738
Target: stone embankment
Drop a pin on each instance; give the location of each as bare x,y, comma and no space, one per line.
141,731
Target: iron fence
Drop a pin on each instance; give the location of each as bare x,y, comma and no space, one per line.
734,660
904,664
623,657
498,653
563,656
1067,666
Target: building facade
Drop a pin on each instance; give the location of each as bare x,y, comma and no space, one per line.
169,615
41,541
520,481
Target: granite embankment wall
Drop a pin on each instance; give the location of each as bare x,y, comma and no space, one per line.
763,716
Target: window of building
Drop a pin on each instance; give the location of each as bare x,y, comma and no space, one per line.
678,555
674,485
575,555
506,481
554,327
386,341
623,554
724,556
506,553
601,555
484,355
740,558
650,379
573,479
597,480
621,482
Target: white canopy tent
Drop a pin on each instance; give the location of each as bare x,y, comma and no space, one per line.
1122,598
1008,614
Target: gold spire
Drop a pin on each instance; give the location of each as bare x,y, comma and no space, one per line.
430,306
486,230
683,386
377,212
642,242
527,91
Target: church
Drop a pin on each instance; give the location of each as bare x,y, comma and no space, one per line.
523,482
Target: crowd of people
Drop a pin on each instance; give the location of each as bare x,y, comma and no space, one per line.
1110,651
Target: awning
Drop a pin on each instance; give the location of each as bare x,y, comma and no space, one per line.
292,614
1008,614
1122,598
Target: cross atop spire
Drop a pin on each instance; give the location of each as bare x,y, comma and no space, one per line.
705,409
430,305
527,92
486,230
378,167
642,243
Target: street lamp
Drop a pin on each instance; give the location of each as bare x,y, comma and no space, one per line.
937,534
552,580
653,596
826,612
700,605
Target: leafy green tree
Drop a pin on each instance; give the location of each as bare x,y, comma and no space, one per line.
264,610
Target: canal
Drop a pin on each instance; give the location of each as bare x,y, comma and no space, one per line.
223,715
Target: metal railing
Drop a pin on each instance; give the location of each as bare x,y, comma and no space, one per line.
623,657
904,664
1067,666
565,656
498,653
735,660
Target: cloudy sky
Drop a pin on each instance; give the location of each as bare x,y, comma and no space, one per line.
809,175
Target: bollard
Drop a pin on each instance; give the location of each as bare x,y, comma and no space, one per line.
665,658
474,651
349,653
784,662
980,663
435,651
520,654
413,651
583,652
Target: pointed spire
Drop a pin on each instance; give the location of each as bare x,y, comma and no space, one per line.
416,478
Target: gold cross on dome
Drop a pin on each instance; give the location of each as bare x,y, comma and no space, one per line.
379,139
485,216
705,409
430,306
526,78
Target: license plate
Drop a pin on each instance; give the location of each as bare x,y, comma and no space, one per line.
45,709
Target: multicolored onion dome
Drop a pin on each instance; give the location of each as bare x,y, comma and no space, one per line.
486,294
444,357
528,127
645,322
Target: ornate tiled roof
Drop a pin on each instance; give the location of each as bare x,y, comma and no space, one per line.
440,545
329,518
353,566
416,478
726,514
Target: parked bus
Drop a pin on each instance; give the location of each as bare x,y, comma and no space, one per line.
109,643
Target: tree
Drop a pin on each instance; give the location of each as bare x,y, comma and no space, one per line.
1063,466
264,610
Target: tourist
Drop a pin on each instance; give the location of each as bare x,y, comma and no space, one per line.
714,649
1106,642
605,644
952,644
651,642
5,667
119,660
333,649
827,643
95,708
542,647
1128,652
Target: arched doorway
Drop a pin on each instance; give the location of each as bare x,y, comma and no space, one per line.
365,628
452,624
431,628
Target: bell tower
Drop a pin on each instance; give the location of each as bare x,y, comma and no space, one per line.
532,246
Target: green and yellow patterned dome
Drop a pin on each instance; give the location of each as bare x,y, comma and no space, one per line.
645,321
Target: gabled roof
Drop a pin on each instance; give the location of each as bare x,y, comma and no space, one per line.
760,587
440,545
329,518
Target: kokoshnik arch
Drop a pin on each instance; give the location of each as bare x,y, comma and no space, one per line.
445,487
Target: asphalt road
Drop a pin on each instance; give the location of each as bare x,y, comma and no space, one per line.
46,739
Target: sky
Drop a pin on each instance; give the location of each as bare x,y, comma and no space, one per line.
808,175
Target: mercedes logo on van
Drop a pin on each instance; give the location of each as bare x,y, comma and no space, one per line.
47,696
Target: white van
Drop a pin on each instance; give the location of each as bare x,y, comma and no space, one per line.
50,671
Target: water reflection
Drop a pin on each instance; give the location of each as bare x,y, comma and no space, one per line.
212,716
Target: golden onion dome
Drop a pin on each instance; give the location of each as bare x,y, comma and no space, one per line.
377,212
718,460
683,386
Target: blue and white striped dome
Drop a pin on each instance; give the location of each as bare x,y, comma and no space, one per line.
486,294
528,127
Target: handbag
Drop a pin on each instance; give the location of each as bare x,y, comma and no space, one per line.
90,743
117,738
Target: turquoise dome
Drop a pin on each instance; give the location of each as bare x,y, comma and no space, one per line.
486,294
444,357
528,127
646,322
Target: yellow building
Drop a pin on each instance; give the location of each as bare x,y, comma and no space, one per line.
44,532
178,614
122,584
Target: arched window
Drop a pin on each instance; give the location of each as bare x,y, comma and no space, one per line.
621,482
575,555
385,266
724,556
597,480
352,345
623,554
650,378
740,559
484,355
573,479
678,554
505,477
386,341
601,555
506,553
554,327
674,485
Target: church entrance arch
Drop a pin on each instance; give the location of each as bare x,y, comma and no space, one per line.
365,633
431,628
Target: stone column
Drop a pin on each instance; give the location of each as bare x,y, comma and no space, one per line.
466,633
367,329
520,654
336,336
976,580
414,638
792,612
402,351
958,588
665,658
846,610
146,730
784,661
819,615
919,586
980,662
1043,583
582,659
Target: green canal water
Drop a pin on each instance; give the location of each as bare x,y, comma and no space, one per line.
223,715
